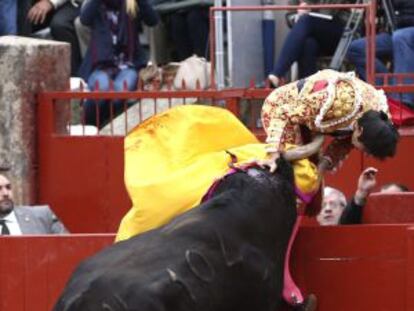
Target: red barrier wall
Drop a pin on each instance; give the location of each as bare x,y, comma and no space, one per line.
356,268
389,208
34,269
82,177
400,168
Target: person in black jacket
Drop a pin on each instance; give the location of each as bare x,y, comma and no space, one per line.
397,45
336,210
114,55
352,213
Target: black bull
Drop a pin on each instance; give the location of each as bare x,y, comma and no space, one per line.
226,254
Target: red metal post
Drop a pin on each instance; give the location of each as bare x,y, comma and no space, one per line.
233,105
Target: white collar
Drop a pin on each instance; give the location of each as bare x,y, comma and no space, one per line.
10,218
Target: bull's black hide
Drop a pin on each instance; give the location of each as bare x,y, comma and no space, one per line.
227,254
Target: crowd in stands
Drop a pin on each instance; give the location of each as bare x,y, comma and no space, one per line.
104,35
310,37
74,22
314,36
106,51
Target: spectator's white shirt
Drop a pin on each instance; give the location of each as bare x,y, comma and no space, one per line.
12,224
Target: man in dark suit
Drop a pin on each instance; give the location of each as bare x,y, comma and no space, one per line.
19,220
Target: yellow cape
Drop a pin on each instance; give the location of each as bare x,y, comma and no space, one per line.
173,158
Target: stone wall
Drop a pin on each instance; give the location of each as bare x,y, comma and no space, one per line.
27,66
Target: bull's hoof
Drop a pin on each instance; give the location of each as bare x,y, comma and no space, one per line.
309,304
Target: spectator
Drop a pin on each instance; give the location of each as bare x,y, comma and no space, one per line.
309,38
335,209
352,214
366,183
18,220
333,204
8,17
59,15
189,32
114,54
187,25
393,188
84,36
398,46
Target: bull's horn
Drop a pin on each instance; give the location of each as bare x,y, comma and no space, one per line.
304,151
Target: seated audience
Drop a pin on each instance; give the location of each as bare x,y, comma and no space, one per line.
187,27
397,46
393,188
59,15
189,32
309,38
8,17
114,55
18,220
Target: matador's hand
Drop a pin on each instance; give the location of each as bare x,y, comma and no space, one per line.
270,162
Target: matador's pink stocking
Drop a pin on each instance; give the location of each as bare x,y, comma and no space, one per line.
291,292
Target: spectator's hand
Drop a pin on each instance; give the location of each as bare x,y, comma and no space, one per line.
37,13
366,182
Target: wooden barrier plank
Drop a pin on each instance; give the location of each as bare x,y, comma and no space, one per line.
409,285
39,254
71,252
368,267
13,284
354,240
387,208
84,176
36,268
353,267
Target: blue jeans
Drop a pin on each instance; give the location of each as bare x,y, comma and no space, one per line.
399,47
128,76
309,38
8,17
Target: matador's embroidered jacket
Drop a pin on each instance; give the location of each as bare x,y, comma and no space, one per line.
325,102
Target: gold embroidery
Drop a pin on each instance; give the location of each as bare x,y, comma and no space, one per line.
285,108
